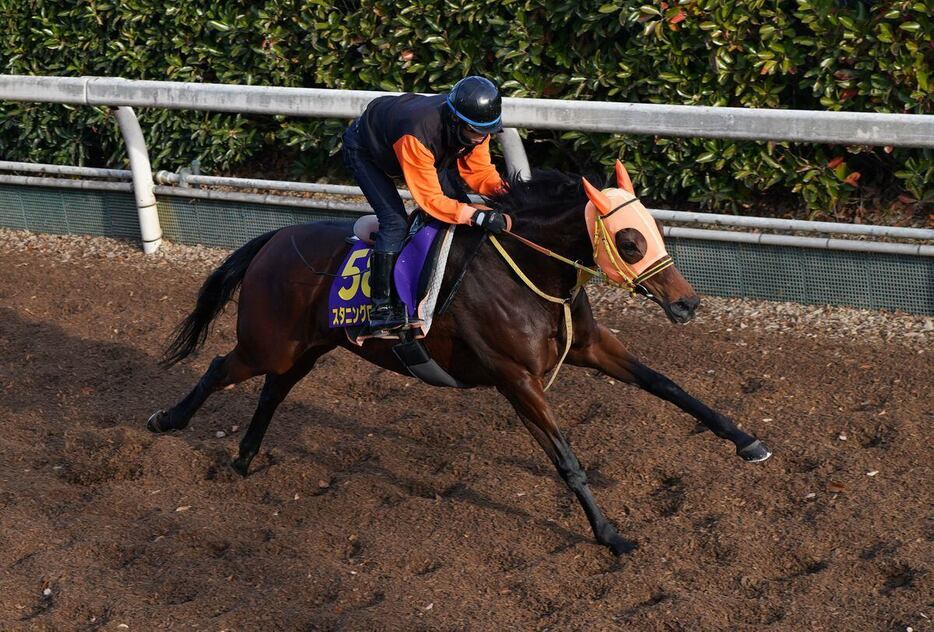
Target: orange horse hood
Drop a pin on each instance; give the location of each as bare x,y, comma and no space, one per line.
612,210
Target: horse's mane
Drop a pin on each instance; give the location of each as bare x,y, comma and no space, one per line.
547,190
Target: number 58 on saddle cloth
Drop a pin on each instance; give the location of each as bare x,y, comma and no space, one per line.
417,275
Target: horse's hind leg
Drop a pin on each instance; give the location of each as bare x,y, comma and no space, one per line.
528,398
275,390
606,353
223,371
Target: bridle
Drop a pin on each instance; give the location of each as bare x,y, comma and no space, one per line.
633,282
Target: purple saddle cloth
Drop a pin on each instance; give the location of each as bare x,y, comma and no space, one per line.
349,300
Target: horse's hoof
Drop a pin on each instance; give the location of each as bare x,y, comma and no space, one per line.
241,467
755,452
620,545
155,421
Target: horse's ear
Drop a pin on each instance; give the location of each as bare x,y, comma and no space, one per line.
596,196
622,178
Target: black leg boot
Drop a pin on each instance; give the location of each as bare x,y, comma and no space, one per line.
387,311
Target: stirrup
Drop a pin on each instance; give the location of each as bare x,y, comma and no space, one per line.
394,317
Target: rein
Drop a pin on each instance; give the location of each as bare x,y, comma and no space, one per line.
634,281
552,254
601,239
564,302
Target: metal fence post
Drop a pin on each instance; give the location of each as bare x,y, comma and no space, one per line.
517,163
143,186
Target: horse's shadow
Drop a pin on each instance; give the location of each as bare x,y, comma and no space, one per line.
76,384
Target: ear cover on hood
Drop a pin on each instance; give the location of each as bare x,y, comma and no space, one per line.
622,178
597,198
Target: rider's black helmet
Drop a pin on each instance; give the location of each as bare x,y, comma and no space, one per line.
476,102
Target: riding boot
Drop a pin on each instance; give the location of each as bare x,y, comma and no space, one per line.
387,311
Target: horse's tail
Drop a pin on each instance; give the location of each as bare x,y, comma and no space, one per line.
216,292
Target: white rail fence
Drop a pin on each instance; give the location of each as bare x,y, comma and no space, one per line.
847,128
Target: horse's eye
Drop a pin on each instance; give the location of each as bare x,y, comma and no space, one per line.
629,246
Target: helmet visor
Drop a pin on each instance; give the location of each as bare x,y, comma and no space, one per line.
490,128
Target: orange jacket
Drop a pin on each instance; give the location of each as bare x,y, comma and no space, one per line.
407,136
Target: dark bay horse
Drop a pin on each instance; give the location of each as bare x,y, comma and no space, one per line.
497,332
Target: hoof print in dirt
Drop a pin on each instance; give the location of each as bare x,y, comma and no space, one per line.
755,452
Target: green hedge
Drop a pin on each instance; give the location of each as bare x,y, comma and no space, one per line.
809,54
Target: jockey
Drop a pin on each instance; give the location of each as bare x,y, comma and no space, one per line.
422,138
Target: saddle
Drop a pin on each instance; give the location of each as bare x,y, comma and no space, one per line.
418,273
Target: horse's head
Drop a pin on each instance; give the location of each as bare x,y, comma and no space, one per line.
629,248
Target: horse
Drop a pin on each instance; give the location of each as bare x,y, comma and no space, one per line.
497,332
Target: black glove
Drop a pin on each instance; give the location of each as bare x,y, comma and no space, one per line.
493,221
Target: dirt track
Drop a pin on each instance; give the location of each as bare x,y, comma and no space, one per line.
378,503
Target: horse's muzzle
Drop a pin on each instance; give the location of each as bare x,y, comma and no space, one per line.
682,310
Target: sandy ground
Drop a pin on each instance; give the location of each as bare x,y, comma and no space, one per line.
379,503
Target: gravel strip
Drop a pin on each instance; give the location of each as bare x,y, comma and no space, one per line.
810,321
729,313
80,247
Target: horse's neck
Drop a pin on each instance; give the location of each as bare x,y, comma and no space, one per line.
565,235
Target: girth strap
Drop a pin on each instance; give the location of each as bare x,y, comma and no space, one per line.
414,357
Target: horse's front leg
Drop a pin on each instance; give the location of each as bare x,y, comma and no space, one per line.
605,352
527,396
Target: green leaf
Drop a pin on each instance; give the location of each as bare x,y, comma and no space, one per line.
885,33
588,52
